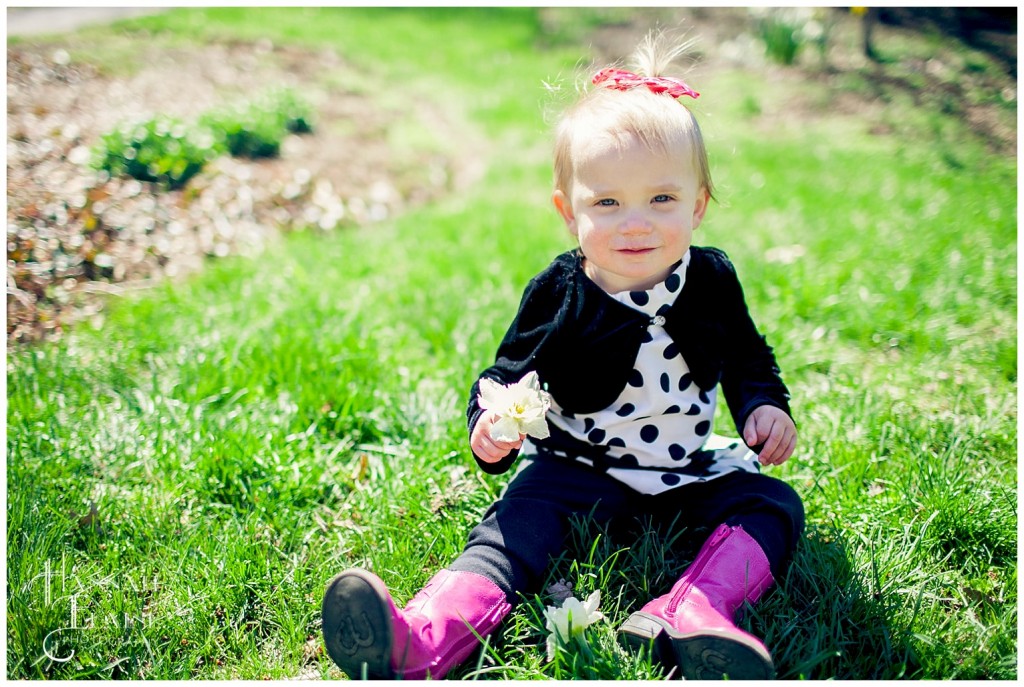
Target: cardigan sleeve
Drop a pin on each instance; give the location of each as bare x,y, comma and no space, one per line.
522,347
750,374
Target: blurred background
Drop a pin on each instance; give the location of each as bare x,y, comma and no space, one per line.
75,229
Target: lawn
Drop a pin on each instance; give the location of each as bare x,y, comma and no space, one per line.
182,482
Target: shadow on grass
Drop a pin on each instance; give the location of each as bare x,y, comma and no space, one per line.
820,622
825,623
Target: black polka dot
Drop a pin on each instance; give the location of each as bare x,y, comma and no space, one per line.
597,436
588,424
685,381
649,433
694,409
702,428
639,297
733,445
672,283
663,310
617,442
677,452
629,461
673,409
701,464
666,383
636,379
703,396
625,410
647,337
670,479
671,351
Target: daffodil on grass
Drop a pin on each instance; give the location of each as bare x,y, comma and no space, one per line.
566,623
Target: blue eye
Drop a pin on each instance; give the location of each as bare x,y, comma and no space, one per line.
662,198
606,202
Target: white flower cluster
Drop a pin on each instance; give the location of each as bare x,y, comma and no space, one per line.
521,408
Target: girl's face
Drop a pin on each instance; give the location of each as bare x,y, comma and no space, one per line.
633,211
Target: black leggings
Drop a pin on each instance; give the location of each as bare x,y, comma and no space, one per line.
530,522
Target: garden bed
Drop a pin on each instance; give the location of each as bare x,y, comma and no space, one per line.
73,234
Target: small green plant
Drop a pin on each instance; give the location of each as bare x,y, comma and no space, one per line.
166,150
296,113
245,131
257,129
785,31
161,149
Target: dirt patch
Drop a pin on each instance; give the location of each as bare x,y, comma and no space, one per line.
71,233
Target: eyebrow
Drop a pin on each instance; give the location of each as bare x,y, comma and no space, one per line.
657,188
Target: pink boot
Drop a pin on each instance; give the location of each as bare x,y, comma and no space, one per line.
693,626
365,631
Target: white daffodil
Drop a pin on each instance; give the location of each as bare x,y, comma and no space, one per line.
521,408
569,621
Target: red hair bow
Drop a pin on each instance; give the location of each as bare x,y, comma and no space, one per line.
622,80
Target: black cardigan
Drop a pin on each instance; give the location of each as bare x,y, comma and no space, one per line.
583,343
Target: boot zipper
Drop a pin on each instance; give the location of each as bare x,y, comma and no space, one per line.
698,566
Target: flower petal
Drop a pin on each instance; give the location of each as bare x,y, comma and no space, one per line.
531,380
490,393
537,428
505,429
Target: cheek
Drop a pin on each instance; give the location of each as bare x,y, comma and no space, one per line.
588,239
589,228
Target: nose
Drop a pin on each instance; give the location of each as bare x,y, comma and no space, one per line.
636,222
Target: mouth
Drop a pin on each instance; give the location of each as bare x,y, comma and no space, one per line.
635,251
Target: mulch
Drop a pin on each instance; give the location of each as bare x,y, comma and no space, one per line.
76,237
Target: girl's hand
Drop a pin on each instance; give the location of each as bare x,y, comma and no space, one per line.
774,430
487,449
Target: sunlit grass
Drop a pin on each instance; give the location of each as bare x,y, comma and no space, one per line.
183,481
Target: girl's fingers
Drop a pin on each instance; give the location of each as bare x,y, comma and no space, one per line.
771,443
772,432
789,449
781,451
492,451
750,432
485,448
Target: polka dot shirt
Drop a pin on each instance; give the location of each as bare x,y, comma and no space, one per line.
658,432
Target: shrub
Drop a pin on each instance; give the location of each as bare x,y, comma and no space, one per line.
161,149
296,112
244,131
257,129
786,30
168,151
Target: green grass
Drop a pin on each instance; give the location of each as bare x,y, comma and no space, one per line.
246,434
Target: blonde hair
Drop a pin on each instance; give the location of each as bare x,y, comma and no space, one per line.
659,121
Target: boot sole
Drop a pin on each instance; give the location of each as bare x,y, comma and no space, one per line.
357,625
642,631
715,655
706,655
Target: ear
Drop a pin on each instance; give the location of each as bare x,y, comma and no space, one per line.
700,207
564,208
